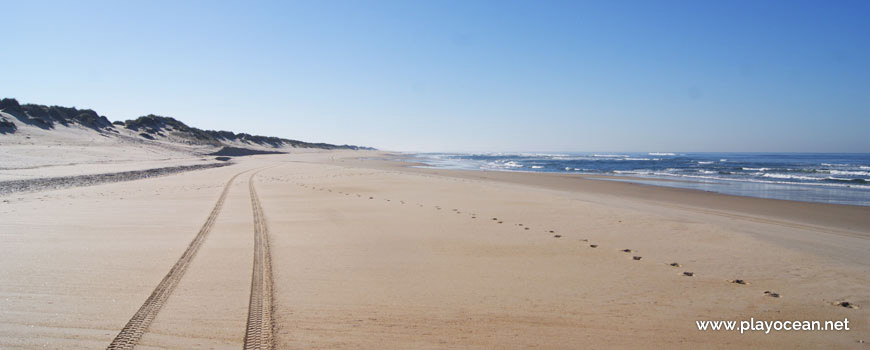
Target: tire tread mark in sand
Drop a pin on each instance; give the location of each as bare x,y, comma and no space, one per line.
259,330
129,336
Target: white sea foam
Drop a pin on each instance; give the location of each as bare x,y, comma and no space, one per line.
537,167
758,181
661,154
842,179
633,172
789,176
849,172
541,155
756,169
710,162
776,179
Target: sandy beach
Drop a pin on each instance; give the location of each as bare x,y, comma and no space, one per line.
364,252
422,175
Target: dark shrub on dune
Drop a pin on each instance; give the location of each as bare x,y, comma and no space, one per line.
11,106
46,116
37,115
7,126
156,124
91,119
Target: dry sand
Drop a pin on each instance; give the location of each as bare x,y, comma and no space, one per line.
369,254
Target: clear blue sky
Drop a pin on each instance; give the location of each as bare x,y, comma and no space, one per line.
463,75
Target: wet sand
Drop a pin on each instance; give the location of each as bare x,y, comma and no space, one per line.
369,254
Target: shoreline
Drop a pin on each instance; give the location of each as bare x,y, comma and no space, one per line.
852,220
804,177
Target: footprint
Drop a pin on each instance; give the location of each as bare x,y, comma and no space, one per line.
593,246
846,304
675,264
687,273
526,228
772,294
636,257
626,250
557,236
739,281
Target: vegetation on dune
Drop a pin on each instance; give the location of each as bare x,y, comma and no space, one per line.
7,126
154,124
10,105
47,116
148,126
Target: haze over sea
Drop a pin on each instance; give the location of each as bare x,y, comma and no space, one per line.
840,178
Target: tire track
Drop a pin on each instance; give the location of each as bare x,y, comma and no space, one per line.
129,336
259,330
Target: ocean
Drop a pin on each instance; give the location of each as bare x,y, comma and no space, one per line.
840,178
